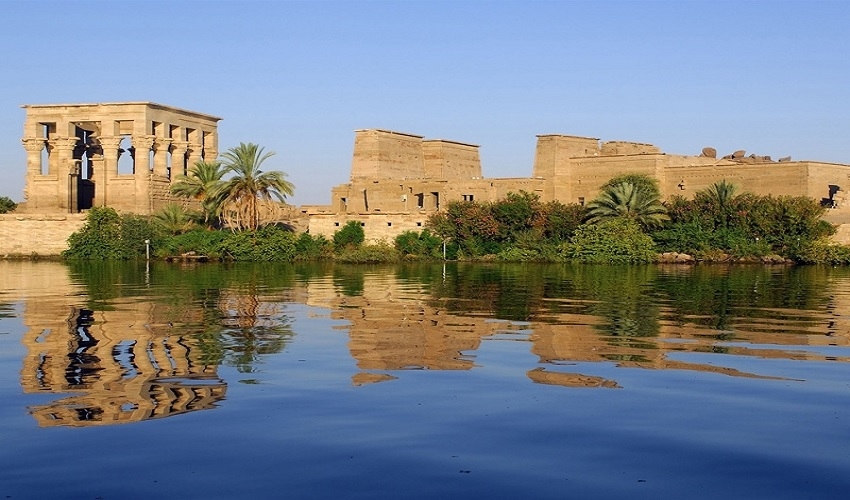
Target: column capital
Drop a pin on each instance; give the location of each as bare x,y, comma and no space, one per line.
162,143
34,144
64,143
179,145
109,142
143,142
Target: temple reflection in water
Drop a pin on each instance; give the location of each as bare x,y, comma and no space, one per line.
138,357
122,366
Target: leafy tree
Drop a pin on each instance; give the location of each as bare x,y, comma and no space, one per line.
558,221
422,244
242,192
627,200
7,205
201,184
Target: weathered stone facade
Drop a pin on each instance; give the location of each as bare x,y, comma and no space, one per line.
398,179
121,155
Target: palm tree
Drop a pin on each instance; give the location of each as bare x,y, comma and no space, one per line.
249,185
722,194
173,219
628,200
201,184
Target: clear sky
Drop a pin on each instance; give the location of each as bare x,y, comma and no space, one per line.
772,78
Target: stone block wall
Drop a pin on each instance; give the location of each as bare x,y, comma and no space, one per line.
386,154
37,234
451,160
376,227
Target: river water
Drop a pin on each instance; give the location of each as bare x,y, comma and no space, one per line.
127,380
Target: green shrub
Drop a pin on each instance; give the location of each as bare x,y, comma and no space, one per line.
109,236
308,247
369,254
823,251
200,241
348,236
419,245
515,254
618,241
268,243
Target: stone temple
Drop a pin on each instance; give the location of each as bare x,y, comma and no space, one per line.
126,156
122,155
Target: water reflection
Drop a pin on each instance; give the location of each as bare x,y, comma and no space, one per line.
132,345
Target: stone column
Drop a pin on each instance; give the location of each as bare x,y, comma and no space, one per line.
210,146
108,169
195,151
142,145
34,147
65,168
160,158
178,158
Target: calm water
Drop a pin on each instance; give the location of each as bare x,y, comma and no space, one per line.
464,381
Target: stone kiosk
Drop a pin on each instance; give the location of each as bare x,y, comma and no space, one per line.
121,155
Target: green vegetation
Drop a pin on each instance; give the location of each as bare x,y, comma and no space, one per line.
201,185
627,199
625,224
109,236
7,205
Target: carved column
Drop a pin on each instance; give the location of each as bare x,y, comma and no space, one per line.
108,169
65,168
142,145
178,158
34,147
160,158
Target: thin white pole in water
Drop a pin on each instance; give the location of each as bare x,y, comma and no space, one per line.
147,249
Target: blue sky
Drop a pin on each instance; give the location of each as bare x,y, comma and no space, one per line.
299,77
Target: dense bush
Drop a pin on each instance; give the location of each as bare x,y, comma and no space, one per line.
107,235
200,241
369,254
489,229
823,251
616,241
308,247
419,245
351,235
743,225
268,243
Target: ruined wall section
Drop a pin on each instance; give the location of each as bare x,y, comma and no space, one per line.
449,160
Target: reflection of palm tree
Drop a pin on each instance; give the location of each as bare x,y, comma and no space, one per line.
249,185
201,183
628,200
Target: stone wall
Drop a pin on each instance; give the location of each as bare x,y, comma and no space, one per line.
376,227
37,234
